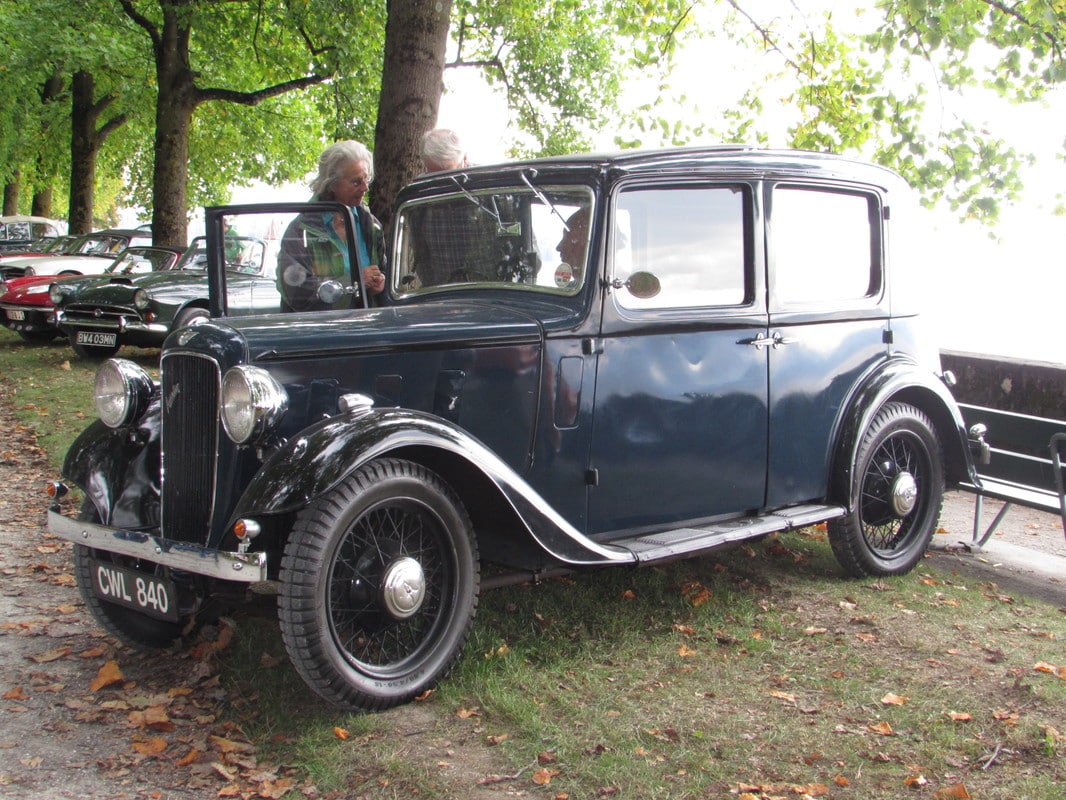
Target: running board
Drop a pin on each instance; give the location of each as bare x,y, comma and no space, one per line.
667,545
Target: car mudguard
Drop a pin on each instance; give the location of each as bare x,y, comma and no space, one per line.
900,379
314,462
118,470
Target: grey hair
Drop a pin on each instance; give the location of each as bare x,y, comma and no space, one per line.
334,160
442,146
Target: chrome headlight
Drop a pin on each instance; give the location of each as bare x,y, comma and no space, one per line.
253,403
140,299
121,392
56,294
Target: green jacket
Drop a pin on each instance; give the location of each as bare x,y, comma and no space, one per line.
311,253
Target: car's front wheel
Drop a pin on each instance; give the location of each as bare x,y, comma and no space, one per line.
379,586
898,492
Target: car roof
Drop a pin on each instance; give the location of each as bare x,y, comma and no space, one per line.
733,159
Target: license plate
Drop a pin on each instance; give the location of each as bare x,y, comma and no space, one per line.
98,339
148,594
15,314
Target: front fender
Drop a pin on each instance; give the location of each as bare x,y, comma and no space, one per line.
314,462
118,470
901,380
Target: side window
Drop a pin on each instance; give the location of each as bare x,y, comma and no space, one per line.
691,238
826,245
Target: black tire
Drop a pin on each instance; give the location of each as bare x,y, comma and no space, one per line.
93,352
190,316
136,630
357,643
38,337
898,489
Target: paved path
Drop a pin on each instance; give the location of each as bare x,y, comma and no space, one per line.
1027,553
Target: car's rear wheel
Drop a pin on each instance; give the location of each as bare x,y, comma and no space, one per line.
898,490
130,627
379,586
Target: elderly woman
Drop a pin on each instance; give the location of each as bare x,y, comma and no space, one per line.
314,248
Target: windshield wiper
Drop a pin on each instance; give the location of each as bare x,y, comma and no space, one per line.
542,197
491,212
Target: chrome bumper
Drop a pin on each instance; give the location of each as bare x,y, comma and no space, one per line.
243,567
124,324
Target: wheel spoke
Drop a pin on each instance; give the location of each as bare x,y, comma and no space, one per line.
363,628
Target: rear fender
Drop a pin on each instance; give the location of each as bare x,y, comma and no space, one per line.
902,381
317,460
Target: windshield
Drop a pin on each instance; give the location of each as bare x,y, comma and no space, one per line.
518,237
141,259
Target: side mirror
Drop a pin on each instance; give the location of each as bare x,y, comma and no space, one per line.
330,291
642,285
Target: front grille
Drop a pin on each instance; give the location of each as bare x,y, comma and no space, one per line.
78,312
190,389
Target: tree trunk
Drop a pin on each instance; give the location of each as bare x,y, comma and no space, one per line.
11,196
175,105
86,139
416,36
82,154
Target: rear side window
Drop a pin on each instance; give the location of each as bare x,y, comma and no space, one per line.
826,245
691,238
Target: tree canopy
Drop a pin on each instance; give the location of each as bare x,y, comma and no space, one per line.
182,99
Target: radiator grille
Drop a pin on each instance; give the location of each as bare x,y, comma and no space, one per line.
190,387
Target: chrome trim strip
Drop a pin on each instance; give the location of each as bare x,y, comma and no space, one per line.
242,567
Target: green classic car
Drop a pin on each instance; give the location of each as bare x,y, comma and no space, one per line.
141,311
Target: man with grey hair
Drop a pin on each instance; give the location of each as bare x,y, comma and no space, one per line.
442,150
314,247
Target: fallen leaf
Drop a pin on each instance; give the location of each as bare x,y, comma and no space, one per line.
16,694
150,747
108,675
959,716
51,655
1043,666
814,631
685,651
882,728
543,776
893,700
341,733
954,792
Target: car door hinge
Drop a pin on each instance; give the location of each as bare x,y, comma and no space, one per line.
886,336
592,477
592,347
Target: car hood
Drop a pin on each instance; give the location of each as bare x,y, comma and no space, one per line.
119,289
442,324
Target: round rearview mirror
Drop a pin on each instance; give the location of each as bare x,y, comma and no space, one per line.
643,285
330,291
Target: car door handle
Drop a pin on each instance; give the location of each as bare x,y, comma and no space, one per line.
780,340
759,342
775,341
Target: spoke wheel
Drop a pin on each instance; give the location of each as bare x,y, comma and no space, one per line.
379,586
898,492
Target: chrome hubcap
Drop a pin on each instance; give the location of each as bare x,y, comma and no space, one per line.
403,588
904,494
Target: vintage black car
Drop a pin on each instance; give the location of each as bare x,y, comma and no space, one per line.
583,362
100,317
